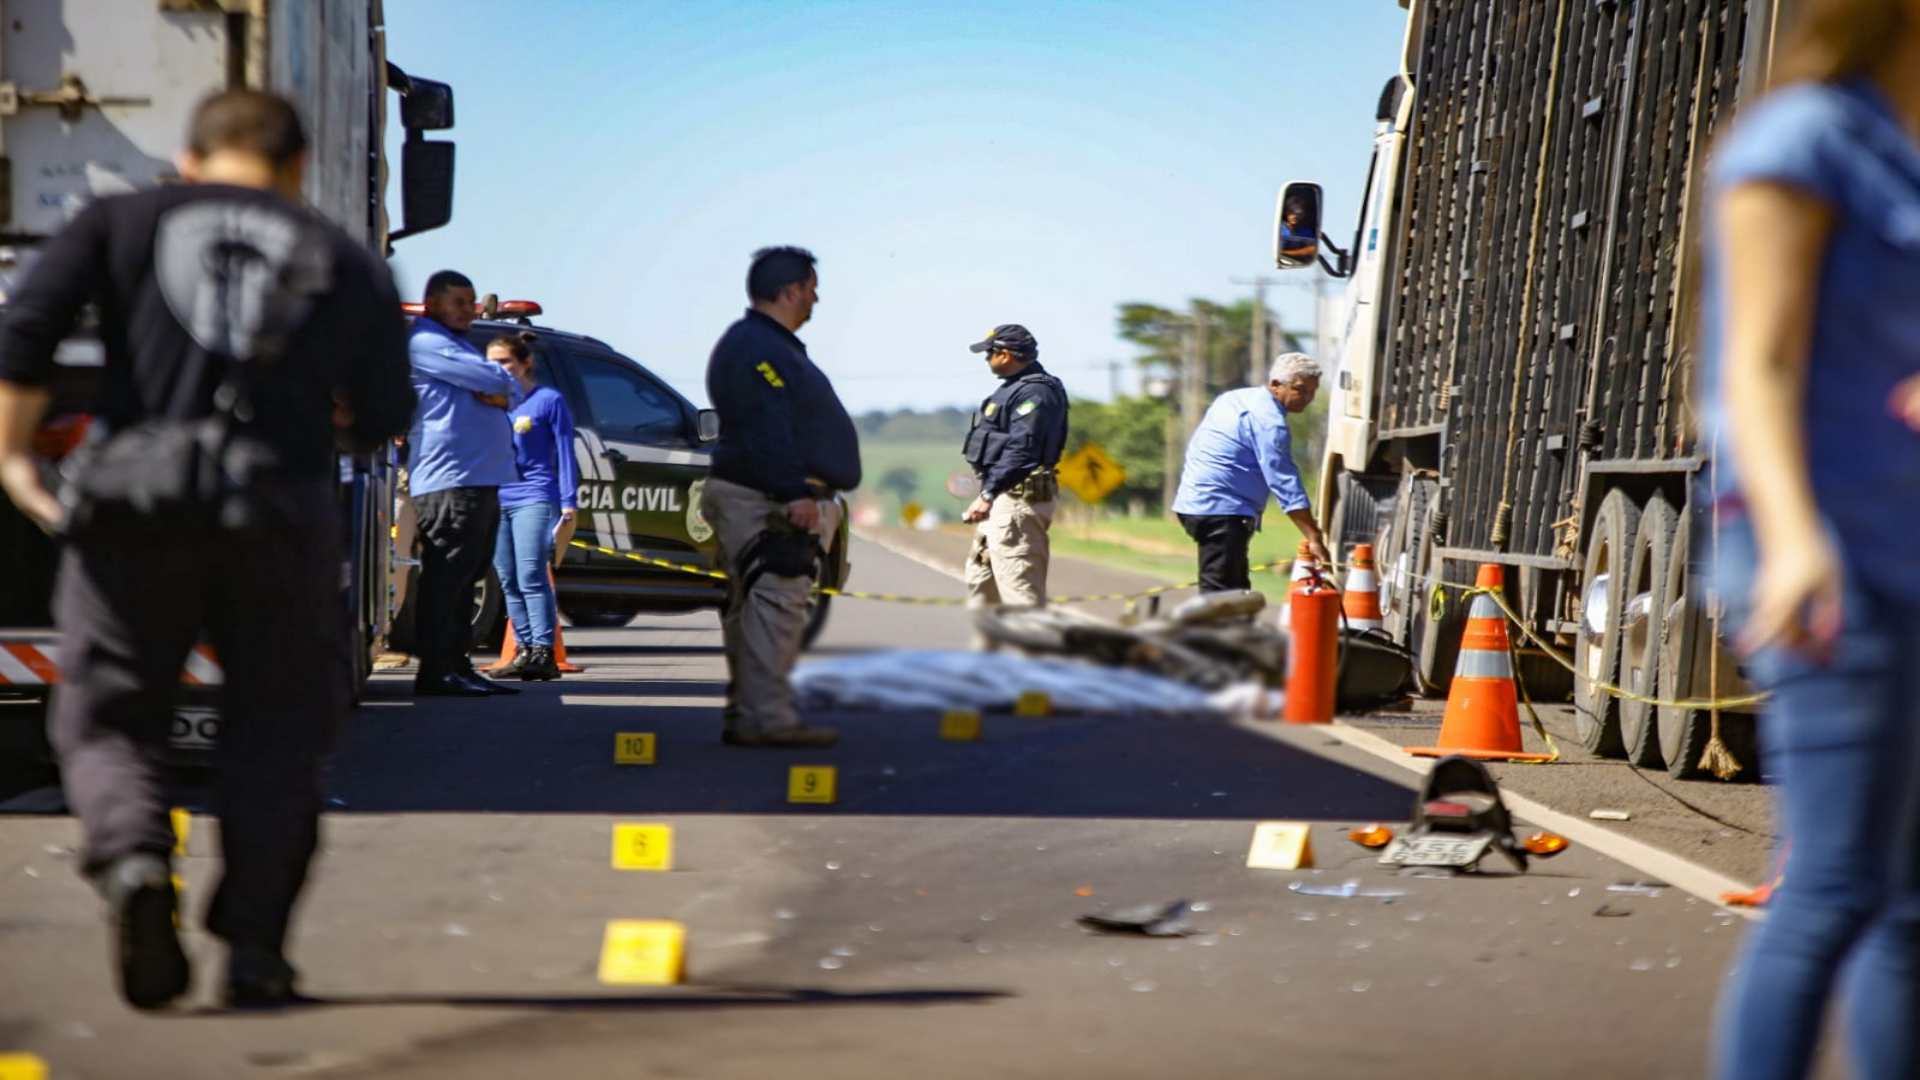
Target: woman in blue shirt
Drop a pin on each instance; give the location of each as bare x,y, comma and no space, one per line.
1810,352
530,507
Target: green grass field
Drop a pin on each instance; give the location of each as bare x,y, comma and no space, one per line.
1155,546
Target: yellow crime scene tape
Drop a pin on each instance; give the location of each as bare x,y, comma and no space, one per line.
1467,591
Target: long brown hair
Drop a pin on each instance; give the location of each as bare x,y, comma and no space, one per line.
1839,39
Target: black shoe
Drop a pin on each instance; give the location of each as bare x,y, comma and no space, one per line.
793,738
450,686
513,669
487,686
260,978
140,901
540,664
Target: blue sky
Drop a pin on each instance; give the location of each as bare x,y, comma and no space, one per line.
953,166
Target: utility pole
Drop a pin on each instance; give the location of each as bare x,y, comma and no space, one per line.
1113,379
1259,350
1193,373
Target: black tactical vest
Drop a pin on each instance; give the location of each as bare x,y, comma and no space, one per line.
992,420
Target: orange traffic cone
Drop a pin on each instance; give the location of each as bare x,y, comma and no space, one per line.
1483,715
1362,600
509,647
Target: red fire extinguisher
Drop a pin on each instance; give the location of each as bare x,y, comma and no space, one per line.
1313,618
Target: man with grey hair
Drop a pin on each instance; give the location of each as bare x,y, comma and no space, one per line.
1240,452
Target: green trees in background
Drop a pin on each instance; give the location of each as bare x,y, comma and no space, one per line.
1133,431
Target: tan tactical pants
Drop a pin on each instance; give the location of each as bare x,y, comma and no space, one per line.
1008,564
761,630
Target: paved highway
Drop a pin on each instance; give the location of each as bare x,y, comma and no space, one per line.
922,926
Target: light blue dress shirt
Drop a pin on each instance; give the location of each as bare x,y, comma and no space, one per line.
1239,453
1843,144
457,440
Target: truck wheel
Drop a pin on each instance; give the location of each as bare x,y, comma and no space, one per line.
1441,623
1644,631
1360,516
1684,733
1596,714
1402,595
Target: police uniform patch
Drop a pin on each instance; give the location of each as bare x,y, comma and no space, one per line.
522,425
773,377
992,407
1025,407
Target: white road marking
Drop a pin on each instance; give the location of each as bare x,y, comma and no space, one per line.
636,701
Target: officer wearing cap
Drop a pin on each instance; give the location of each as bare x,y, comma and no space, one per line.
1013,446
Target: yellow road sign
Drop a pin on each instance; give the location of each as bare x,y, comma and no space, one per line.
910,514
1089,473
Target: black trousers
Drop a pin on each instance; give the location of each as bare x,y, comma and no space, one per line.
1223,544
268,600
458,528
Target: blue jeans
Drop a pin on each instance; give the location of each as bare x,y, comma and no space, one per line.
520,559
1841,741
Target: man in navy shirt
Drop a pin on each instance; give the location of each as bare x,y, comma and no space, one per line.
1240,452
786,445
460,450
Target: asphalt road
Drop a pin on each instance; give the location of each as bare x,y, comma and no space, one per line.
922,926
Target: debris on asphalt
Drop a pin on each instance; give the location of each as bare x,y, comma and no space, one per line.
1639,888
1151,920
1610,815
1346,890
1612,911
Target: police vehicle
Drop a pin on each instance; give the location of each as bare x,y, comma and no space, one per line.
642,452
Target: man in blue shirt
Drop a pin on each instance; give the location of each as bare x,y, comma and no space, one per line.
460,452
1239,453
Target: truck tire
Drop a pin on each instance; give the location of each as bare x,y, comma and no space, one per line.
1441,624
1401,593
1361,514
1596,714
1642,636
1684,733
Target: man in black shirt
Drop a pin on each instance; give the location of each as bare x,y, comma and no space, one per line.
786,445
224,307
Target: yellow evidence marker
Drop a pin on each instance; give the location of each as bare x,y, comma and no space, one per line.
960,725
633,748
810,784
22,1067
1032,703
182,825
1281,845
643,952
643,847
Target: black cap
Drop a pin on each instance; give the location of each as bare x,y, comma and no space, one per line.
1011,337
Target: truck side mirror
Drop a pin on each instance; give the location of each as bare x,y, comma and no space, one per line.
425,105
1296,226
426,186
707,425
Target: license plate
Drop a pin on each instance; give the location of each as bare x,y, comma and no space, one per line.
195,729
1436,850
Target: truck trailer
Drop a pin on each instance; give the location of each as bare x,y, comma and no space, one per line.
1517,346
94,100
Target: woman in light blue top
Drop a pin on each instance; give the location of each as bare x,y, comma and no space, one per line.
530,507
1810,352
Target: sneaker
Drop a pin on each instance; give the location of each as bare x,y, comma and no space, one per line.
147,954
799,737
